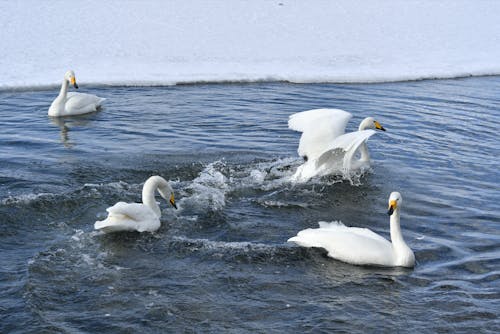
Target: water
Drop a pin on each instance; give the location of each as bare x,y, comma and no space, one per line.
221,262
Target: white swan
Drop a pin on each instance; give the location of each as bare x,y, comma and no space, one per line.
67,104
324,146
141,217
361,246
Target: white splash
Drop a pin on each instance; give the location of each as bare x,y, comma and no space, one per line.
207,244
208,190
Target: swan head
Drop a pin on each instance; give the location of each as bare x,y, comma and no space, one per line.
70,77
395,200
167,193
370,123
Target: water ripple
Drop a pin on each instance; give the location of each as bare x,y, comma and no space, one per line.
221,260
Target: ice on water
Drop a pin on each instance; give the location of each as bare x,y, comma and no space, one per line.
168,42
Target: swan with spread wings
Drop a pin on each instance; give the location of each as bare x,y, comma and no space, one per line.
325,146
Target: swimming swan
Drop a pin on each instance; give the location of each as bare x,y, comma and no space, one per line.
324,146
361,246
67,104
141,217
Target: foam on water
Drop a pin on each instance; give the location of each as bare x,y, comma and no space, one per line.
208,190
250,252
26,199
221,245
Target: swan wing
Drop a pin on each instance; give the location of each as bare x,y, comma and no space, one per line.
344,146
353,245
351,141
129,217
80,103
319,128
136,211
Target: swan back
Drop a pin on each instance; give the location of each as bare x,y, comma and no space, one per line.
82,103
129,217
353,245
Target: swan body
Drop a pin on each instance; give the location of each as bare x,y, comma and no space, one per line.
361,246
325,146
70,103
140,217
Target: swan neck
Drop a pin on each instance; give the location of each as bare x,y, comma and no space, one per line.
363,125
396,236
148,196
64,89
365,155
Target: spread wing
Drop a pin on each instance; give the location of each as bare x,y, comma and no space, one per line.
348,144
319,128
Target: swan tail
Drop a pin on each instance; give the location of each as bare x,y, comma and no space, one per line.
114,223
100,224
299,241
317,237
306,239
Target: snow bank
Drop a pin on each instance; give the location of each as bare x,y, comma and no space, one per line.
169,42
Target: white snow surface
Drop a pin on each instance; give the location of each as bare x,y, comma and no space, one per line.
185,41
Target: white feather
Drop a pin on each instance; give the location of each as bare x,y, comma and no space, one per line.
129,217
71,103
319,128
360,246
345,147
141,217
348,244
327,149
82,103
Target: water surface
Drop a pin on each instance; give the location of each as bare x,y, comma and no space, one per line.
221,262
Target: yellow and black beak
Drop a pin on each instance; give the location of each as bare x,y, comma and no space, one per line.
392,206
172,201
73,82
378,126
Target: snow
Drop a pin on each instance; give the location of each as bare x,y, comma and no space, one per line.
184,41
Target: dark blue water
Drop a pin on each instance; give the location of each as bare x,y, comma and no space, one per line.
221,262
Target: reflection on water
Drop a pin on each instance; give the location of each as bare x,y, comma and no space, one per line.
68,122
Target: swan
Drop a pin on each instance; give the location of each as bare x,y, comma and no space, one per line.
360,246
67,104
141,217
325,147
